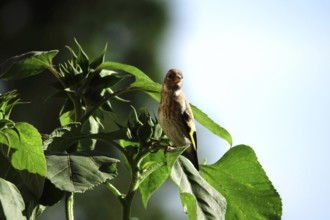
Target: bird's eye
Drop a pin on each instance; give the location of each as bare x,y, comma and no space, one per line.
171,76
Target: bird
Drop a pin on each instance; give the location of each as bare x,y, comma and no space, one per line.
176,117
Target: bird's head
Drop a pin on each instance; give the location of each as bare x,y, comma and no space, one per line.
173,80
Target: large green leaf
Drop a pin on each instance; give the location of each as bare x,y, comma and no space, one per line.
80,171
62,138
154,174
26,65
144,83
240,178
200,199
11,201
28,153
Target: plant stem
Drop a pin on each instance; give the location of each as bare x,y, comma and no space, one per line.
69,206
114,190
127,200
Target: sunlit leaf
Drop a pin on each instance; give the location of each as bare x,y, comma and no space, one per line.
189,204
155,173
142,81
28,153
67,117
240,178
212,126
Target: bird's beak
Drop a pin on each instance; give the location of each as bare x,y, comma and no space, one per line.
178,79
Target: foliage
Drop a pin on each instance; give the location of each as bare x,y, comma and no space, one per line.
39,170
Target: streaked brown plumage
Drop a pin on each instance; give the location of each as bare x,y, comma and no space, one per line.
175,115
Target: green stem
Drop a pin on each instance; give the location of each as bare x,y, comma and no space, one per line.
136,175
55,73
114,190
127,200
69,206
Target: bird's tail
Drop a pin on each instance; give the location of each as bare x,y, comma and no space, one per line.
191,155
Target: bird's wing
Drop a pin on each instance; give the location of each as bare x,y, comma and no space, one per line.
189,124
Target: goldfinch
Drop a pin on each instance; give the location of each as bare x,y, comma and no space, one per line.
175,116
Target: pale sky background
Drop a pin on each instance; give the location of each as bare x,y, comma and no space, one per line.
261,69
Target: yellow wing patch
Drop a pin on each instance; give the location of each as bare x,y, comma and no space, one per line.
192,135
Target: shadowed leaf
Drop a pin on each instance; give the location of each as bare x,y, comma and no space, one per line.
203,201
25,65
80,171
11,201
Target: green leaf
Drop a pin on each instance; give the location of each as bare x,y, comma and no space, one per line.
28,153
240,178
208,123
30,185
67,117
11,201
189,204
172,156
205,202
158,131
33,210
25,65
7,102
82,58
80,171
50,195
33,182
72,53
154,175
90,126
100,59
142,81
63,137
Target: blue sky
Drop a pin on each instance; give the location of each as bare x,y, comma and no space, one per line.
261,69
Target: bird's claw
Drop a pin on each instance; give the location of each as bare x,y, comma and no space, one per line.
169,148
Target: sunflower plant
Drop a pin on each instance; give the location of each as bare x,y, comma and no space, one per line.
39,170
